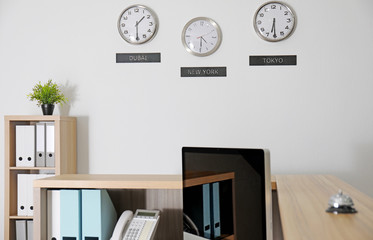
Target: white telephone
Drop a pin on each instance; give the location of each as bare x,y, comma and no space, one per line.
141,226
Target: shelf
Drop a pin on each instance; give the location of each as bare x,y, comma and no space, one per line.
127,192
21,217
198,178
37,118
111,181
30,168
65,161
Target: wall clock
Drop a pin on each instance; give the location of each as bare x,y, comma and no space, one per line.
274,21
137,24
201,36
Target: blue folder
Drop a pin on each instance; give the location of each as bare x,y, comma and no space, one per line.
215,210
206,211
98,215
71,227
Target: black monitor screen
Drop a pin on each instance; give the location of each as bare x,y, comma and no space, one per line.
242,198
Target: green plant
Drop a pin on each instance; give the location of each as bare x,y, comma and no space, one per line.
48,93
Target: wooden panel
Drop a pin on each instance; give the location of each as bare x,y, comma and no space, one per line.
303,200
66,146
169,202
111,181
198,178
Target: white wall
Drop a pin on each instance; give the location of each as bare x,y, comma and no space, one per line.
315,117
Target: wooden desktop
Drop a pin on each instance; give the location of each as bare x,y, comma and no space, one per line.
302,201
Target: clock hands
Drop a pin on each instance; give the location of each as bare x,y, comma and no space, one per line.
137,28
206,34
137,23
137,31
200,41
200,44
274,28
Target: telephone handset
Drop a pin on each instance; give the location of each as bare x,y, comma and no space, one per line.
121,224
140,226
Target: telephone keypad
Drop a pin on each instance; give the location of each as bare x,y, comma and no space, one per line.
134,229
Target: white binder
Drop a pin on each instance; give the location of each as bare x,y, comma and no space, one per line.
53,215
49,158
30,189
30,194
21,230
30,229
22,194
25,145
40,144
25,200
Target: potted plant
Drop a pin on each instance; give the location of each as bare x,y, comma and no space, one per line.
47,95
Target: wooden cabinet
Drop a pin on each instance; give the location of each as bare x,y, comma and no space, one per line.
127,192
65,160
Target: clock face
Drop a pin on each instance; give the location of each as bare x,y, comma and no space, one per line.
274,21
137,24
201,36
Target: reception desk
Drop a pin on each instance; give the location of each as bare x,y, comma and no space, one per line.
302,201
299,204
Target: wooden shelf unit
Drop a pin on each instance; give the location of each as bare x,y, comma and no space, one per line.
65,160
127,192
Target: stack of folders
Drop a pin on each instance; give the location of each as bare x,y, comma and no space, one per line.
203,207
25,204
24,229
75,214
35,145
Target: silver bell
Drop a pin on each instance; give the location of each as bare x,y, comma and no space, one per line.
341,203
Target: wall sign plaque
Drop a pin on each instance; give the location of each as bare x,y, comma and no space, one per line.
138,57
273,60
203,71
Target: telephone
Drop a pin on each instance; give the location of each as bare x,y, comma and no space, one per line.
140,226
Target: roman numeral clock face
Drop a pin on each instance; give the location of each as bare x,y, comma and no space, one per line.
274,21
137,24
201,36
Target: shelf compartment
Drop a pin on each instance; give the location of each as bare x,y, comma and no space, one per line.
162,192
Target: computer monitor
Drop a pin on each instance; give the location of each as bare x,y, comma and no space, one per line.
244,190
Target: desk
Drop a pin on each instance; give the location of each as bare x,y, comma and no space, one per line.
302,201
299,202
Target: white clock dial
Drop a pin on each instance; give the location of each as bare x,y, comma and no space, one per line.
274,21
201,36
137,24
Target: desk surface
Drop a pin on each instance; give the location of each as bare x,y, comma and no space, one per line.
303,200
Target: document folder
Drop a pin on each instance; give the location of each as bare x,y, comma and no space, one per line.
40,144
215,209
25,146
206,210
30,194
21,230
98,215
49,157
30,229
53,214
71,225
22,194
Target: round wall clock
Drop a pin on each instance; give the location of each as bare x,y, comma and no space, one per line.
201,36
137,24
274,21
